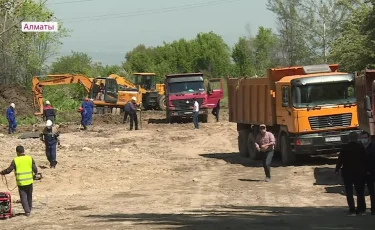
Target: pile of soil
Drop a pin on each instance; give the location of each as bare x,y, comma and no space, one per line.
21,97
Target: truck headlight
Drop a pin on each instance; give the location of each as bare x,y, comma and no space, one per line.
303,142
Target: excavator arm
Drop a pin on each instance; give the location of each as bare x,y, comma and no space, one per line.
122,81
59,79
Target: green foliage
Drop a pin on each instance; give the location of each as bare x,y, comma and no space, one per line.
25,54
207,53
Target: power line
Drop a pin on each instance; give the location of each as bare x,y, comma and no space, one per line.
147,12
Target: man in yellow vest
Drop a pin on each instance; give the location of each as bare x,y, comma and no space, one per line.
23,166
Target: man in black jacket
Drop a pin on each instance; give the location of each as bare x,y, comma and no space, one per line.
352,162
370,177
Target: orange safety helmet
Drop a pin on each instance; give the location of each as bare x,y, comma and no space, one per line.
86,99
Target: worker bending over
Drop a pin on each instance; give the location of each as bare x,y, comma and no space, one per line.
49,112
84,117
11,117
50,137
24,166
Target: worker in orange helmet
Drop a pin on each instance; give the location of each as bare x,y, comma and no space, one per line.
84,117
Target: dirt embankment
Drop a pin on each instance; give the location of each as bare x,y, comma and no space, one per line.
21,97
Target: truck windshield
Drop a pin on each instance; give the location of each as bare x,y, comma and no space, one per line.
335,93
186,87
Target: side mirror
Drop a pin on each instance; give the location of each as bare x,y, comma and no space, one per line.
369,114
368,106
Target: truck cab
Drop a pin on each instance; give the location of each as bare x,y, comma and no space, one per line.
180,91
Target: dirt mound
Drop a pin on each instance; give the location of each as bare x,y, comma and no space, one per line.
21,97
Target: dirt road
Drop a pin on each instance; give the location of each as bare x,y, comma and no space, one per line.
173,177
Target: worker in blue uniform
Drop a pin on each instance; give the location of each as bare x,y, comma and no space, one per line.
90,110
11,117
84,117
50,137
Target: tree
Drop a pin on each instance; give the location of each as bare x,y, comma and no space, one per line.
213,56
266,51
76,63
291,32
323,22
243,57
354,49
25,54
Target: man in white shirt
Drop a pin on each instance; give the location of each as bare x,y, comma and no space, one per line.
196,113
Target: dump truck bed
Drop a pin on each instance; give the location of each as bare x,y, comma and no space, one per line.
363,87
250,101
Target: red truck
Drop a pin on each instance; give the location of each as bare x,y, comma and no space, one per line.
365,94
181,89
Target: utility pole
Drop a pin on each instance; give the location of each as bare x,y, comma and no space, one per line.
324,42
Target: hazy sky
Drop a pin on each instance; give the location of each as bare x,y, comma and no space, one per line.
107,29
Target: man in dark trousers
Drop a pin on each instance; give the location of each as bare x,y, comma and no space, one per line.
126,111
216,111
50,137
133,113
24,166
49,112
370,177
11,117
84,117
352,162
265,143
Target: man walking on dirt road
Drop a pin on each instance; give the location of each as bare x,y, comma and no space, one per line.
352,161
216,111
50,137
11,117
24,166
196,114
265,143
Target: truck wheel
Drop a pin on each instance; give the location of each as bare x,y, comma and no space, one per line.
204,118
287,156
253,153
242,143
162,103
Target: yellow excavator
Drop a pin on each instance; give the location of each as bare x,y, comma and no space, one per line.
152,94
108,96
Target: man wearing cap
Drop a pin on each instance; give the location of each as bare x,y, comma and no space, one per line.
50,137
265,143
49,112
133,113
352,161
24,166
11,117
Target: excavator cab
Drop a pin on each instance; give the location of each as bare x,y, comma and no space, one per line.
146,81
104,89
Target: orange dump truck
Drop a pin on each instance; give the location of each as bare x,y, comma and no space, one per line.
310,110
365,93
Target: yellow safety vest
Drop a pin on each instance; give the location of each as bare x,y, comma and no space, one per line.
24,170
